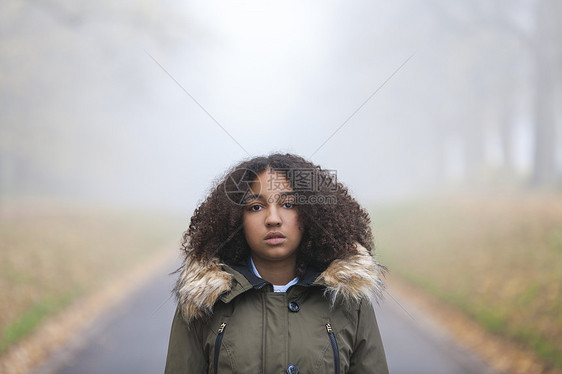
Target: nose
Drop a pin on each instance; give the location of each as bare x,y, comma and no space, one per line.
273,218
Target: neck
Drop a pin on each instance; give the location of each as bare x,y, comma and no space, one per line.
277,273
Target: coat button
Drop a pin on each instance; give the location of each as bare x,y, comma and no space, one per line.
292,369
294,307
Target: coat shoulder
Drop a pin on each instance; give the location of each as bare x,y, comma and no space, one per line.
354,278
202,283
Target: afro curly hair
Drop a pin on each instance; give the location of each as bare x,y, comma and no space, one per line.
332,221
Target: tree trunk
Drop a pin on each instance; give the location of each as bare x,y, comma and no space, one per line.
544,162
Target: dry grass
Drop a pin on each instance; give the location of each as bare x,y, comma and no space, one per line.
52,253
498,259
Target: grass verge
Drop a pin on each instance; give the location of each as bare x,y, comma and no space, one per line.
496,259
53,253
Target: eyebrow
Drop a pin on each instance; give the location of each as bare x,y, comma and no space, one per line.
251,197
289,193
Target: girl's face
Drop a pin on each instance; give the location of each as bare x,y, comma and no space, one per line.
270,219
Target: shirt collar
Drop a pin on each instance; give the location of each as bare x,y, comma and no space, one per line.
276,288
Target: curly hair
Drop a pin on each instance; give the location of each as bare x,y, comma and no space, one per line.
332,221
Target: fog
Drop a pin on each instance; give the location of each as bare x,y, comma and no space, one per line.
147,102
143,104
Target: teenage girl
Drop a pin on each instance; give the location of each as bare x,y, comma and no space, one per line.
278,277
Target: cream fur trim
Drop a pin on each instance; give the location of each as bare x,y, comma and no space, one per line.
354,278
201,284
199,287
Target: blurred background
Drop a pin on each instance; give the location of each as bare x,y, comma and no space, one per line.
442,118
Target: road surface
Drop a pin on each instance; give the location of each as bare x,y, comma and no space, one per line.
133,338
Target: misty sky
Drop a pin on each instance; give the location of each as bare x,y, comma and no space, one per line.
147,103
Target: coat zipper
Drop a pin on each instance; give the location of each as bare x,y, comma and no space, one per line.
218,343
334,347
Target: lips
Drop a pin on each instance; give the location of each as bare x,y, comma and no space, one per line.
274,237
274,234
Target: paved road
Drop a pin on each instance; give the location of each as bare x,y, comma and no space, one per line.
134,339
416,344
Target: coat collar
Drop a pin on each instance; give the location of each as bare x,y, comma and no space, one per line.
306,280
201,284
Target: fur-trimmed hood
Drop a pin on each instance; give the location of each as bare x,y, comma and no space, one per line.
201,284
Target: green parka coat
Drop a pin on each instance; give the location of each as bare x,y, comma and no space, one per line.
230,321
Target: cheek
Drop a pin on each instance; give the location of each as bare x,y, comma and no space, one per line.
294,223
249,229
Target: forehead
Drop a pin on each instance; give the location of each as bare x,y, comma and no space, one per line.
271,181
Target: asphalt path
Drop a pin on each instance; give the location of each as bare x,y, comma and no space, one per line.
133,338
416,344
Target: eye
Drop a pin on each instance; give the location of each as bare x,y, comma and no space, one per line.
254,207
288,205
